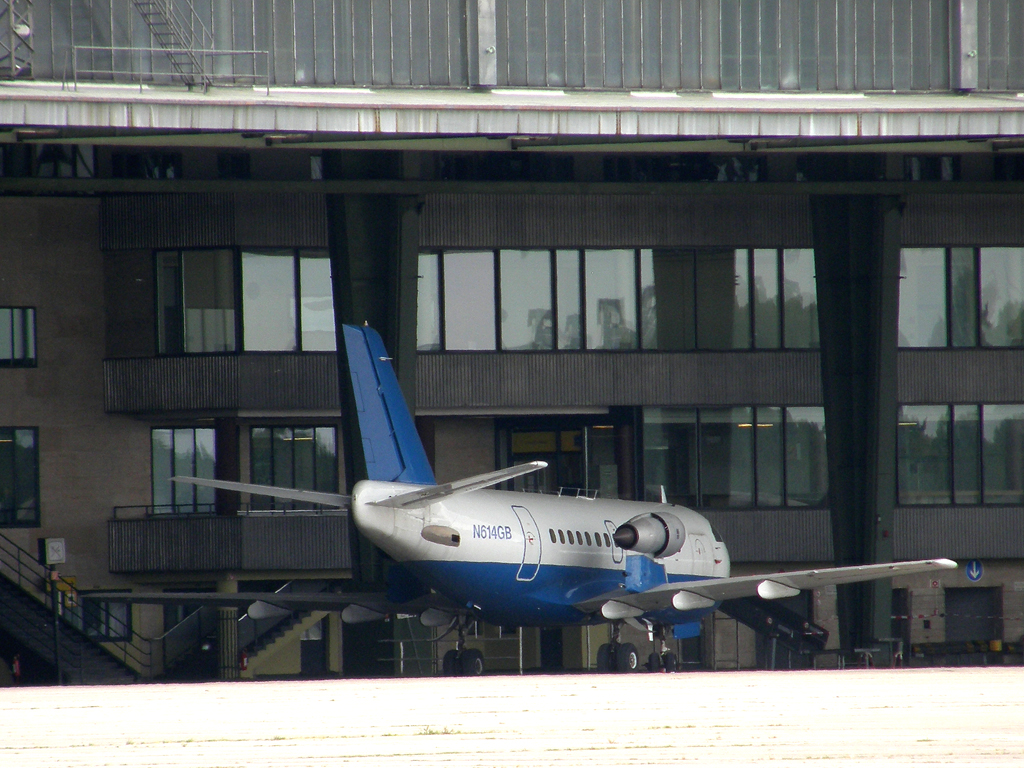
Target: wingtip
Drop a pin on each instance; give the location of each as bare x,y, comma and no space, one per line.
945,562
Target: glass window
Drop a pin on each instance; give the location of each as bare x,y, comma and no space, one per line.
196,304
19,476
922,319
963,297
428,304
923,457
806,460
316,296
667,299
767,328
469,300
723,300
17,336
1002,294
726,457
611,299
1002,457
800,297
293,457
567,271
268,301
768,444
526,312
184,452
966,455
670,454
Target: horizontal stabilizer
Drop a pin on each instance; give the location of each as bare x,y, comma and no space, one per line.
312,497
424,497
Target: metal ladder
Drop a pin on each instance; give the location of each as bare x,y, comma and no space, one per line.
178,36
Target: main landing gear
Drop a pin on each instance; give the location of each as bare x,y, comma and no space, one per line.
617,656
462,661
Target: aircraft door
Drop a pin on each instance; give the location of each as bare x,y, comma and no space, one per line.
703,564
531,544
616,549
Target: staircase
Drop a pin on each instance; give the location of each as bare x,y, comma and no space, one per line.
26,615
184,39
778,624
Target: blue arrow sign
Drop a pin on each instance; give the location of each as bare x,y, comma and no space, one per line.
974,570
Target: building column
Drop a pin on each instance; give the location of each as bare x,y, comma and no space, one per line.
857,261
227,634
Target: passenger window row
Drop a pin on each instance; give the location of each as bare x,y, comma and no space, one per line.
598,539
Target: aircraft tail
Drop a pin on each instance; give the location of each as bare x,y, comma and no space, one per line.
391,445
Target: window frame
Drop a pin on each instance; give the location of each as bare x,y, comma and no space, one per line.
30,338
9,517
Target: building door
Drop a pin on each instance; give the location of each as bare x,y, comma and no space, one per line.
973,613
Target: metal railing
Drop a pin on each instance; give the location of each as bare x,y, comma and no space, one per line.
140,68
106,628
166,511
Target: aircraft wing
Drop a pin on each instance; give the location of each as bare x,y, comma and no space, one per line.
292,601
691,594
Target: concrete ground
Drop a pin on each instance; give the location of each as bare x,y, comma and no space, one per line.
967,716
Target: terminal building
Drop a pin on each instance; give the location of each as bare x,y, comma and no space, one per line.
761,258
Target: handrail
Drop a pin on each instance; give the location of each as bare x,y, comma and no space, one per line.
205,56
175,511
118,638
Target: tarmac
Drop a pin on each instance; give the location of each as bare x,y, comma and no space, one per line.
852,717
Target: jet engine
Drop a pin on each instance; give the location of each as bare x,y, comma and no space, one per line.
660,534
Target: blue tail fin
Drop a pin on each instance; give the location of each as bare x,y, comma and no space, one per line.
391,444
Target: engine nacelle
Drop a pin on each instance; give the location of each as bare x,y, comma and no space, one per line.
660,534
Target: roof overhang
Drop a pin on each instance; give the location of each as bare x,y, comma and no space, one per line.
534,119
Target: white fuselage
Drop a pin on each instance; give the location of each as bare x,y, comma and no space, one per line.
526,557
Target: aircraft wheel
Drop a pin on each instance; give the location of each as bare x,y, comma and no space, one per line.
669,661
471,663
626,658
605,659
450,664
654,662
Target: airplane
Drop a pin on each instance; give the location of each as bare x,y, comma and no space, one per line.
463,551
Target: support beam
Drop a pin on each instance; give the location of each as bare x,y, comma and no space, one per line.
857,250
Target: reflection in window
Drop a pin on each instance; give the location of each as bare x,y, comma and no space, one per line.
963,297
17,336
183,452
316,302
806,460
567,295
469,300
800,299
293,457
268,301
19,476
526,312
1002,296
667,299
196,302
923,454
1002,457
922,319
765,284
735,457
723,300
611,299
428,304
966,454
726,453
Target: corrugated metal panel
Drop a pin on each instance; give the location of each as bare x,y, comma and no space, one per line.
961,376
307,381
1000,55
567,379
205,220
296,220
205,544
959,532
725,44
293,542
285,382
775,535
566,221
165,221
968,220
